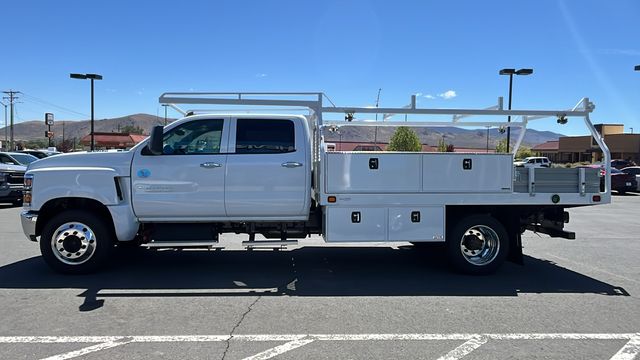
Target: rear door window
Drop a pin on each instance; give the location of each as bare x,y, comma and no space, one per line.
265,136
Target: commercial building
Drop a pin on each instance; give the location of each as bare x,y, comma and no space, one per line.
569,149
108,140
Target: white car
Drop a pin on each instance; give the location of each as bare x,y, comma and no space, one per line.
533,161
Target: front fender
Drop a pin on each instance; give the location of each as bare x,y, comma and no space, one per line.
95,183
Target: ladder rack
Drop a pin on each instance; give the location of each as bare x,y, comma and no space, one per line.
314,102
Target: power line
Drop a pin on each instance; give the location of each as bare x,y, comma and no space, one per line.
40,101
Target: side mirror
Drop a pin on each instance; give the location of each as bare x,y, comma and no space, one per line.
155,140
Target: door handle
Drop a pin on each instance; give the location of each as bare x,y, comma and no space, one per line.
210,165
291,164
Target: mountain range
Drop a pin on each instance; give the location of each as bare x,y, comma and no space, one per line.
459,137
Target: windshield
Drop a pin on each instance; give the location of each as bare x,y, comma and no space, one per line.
24,159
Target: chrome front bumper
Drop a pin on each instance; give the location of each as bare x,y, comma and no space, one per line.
28,220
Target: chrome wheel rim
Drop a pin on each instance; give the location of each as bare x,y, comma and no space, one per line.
73,243
479,245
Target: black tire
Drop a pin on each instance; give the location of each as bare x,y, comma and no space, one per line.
76,232
480,235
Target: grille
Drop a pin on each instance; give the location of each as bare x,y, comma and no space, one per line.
15,178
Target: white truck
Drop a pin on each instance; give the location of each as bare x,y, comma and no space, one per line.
209,174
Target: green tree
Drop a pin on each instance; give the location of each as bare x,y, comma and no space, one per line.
35,144
131,129
404,139
501,146
523,151
444,147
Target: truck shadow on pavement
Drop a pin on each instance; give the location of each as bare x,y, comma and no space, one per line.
306,271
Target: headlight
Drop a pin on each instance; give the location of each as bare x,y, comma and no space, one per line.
26,192
28,182
3,178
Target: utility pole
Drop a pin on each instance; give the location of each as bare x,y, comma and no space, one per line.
11,99
5,124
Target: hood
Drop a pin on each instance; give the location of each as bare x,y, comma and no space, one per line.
120,161
8,167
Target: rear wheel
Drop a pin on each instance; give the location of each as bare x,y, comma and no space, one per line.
76,242
478,245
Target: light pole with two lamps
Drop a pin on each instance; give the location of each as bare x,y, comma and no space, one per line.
90,77
512,72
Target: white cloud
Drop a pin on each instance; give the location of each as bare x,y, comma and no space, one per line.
429,96
447,95
262,75
418,94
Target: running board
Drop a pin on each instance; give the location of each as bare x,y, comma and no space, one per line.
269,243
183,244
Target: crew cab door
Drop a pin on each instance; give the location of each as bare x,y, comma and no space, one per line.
268,170
187,180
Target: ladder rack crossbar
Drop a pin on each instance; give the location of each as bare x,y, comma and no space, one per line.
468,112
340,123
313,101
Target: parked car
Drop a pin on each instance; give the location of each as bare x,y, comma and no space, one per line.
621,164
14,158
635,171
40,154
11,183
367,148
533,161
620,181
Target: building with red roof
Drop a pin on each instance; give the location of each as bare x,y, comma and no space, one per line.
110,140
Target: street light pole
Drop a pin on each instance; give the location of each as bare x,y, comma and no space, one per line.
165,113
93,143
488,138
512,72
90,77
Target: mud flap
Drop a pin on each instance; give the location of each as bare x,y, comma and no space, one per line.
515,249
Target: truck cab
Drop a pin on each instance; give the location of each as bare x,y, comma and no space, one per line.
225,168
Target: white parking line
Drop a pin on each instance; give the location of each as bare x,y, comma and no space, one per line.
268,354
465,349
88,350
630,350
293,341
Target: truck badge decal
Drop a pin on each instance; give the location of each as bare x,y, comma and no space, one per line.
144,173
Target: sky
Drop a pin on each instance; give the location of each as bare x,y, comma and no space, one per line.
447,52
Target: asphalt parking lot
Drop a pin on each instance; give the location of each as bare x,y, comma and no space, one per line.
572,300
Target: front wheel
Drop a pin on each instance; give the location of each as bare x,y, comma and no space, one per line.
76,242
477,245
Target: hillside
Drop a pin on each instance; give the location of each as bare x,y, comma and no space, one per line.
474,138
31,130
459,137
